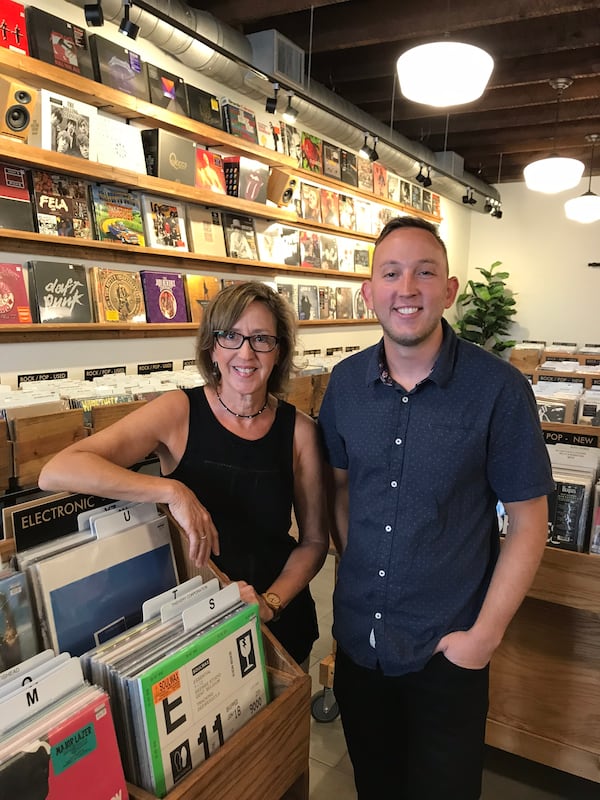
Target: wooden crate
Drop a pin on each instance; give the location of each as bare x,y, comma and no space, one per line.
37,439
319,385
301,393
268,758
103,416
6,465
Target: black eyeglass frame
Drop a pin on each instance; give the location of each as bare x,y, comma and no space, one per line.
250,339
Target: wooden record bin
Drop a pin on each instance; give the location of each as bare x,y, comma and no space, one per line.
545,676
267,759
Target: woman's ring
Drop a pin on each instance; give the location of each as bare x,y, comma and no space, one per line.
202,538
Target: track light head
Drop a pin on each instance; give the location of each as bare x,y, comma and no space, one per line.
94,15
496,212
465,197
127,27
271,102
374,156
488,206
420,178
427,179
468,198
290,115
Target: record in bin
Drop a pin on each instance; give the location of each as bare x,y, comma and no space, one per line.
194,700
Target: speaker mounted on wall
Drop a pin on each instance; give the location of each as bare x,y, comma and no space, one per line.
281,187
17,102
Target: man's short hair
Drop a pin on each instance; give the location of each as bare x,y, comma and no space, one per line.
412,222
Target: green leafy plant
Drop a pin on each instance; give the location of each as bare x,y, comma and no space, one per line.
485,309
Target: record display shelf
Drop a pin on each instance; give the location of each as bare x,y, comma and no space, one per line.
544,687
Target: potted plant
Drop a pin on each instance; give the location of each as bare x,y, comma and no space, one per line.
484,311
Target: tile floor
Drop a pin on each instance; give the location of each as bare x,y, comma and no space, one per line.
506,777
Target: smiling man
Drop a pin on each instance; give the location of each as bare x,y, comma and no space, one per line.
424,433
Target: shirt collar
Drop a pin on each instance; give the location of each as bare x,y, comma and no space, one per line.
441,373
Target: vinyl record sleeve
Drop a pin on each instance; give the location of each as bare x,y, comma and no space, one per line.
167,90
18,639
58,42
165,223
239,121
14,27
59,291
119,144
240,238
61,205
364,174
308,302
119,67
64,125
164,296
118,295
14,302
200,290
209,171
331,161
117,214
205,230
204,106
312,152
85,589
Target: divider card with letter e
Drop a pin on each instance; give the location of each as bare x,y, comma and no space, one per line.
192,700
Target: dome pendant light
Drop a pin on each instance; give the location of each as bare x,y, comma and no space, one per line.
444,73
554,174
586,207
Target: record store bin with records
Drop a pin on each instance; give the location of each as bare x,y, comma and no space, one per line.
205,703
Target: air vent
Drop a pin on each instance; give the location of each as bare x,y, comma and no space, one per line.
451,163
276,55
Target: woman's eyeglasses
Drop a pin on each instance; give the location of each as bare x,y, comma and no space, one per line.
259,342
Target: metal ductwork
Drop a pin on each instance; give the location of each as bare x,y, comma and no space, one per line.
319,108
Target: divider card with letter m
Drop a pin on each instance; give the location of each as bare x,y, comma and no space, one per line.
194,699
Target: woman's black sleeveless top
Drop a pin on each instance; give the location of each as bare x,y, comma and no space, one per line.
248,488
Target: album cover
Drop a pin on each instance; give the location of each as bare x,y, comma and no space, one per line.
119,67
269,134
343,302
246,178
119,144
292,142
380,180
416,196
310,250
209,171
64,126
359,310
61,205
268,241
364,215
326,302
363,254
56,41
308,302
312,152
364,174
346,249
89,587
18,640
205,230
381,216
75,750
117,295
289,292
405,192
239,121
165,222
435,204
200,290
16,211
349,168
59,292
167,90
427,207
169,156
240,237
347,212
310,202
13,28
329,252
14,303
393,187
117,214
567,511
164,296
330,207
331,161
204,106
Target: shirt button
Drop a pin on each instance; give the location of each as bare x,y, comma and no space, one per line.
378,615
398,441
388,528
393,484
405,399
382,573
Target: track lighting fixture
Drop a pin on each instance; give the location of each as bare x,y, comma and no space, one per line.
468,198
427,179
488,205
127,27
94,15
496,211
369,152
374,154
271,102
290,115
420,178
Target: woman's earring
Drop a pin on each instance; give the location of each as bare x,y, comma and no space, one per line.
216,370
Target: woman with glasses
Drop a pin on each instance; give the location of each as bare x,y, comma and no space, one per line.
235,461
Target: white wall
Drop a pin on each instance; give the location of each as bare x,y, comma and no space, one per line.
558,295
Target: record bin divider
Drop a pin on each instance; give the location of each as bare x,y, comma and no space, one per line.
6,463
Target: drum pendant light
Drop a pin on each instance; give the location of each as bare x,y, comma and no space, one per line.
554,174
586,207
444,73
